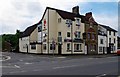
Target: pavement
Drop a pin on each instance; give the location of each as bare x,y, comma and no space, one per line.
30,64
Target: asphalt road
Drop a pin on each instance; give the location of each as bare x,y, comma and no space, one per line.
30,64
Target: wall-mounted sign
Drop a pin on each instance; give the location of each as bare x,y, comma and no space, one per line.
44,23
40,27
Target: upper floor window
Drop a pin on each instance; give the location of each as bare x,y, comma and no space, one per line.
77,34
68,34
101,41
93,37
77,22
109,32
109,40
68,22
114,40
40,28
59,20
114,33
59,33
88,35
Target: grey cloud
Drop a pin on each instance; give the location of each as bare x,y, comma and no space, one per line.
34,7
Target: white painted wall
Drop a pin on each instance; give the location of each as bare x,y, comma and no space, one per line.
112,40
104,30
102,45
22,44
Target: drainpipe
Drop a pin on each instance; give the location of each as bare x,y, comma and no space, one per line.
71,39
48,31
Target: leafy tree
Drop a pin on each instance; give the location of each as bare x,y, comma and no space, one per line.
13,39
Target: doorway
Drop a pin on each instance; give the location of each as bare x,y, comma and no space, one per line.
59,49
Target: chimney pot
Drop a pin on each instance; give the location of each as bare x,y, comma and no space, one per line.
75,10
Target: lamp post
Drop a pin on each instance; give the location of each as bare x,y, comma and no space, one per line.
53,46
84,38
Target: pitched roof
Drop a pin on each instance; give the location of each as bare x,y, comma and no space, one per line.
66,15
28,31
108,28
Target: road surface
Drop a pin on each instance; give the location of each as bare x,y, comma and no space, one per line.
30,64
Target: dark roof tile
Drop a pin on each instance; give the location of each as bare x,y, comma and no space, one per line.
108,28
28,31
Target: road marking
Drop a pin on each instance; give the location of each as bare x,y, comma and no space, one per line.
102,75
17,66
8,67
18,72
21,60
7,58
65,66
28,63
61,57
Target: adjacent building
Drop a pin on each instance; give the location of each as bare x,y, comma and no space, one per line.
111,39
102,40
91,34
28,41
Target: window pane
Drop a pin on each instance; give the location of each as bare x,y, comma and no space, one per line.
44,46
59,33
78,34
68,34
109,32
109,40
88,35
33,46
68,46
114,40
77,46
50,46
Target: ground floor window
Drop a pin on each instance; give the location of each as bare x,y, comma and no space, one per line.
114,48
77,47
33,46
68,46
44,46
52,46
100,49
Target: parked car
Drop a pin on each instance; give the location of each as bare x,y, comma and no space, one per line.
118,52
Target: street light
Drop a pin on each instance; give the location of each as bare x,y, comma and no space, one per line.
53,46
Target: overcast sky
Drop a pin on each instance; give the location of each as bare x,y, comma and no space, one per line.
19,14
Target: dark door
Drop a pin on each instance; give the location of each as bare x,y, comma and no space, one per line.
108,50
59,49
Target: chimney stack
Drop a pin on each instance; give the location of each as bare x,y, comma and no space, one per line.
89,14
75,10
